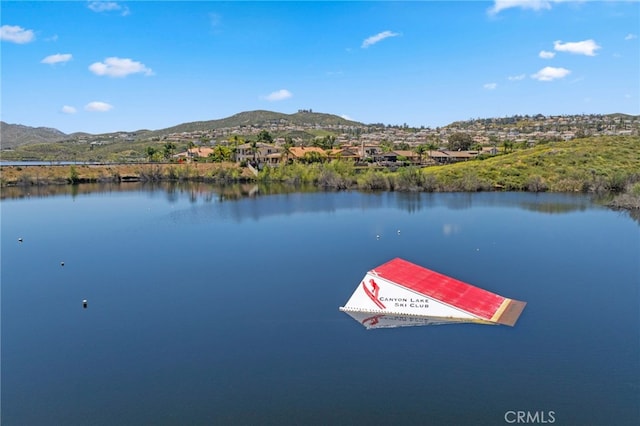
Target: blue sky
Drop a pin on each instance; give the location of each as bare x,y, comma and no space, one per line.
122,66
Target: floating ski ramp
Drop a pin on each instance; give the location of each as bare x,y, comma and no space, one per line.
402,288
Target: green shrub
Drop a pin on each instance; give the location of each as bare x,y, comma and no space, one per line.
617,182
536,184
470,182
331,179
152,173
74,177
430,183
409,179
374,181
172,174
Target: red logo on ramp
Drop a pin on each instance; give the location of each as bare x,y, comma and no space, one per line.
373,293
373,320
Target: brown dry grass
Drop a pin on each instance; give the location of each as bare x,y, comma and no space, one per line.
61,174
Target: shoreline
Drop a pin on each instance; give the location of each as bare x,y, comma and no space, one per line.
67,174
601,166
228,173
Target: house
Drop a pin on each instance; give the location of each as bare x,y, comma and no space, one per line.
260,153
345,153
300,153
412,157
371,151
191,153
199,152
491,150
445,156
272,159
439,156
456,156
387,158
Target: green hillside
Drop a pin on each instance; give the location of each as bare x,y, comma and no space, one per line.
13,135
590,164
16,135
259,118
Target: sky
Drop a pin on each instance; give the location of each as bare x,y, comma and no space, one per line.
106,66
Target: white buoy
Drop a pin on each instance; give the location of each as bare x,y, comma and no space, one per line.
61,263
377,237
84,303
398,232
20,240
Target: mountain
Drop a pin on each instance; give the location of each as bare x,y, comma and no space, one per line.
259,118
12,135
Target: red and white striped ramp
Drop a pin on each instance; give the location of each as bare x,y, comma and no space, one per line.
402,288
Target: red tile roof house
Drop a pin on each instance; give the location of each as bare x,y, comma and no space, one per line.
297,153
198,152
345,153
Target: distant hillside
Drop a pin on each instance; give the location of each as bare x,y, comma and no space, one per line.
13,135
259,118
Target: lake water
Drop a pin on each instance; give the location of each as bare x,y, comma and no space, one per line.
210,307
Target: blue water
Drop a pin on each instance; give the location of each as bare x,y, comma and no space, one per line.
208,310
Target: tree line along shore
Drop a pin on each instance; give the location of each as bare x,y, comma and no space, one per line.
609,164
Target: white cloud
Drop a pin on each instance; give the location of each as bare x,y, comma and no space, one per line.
546,55
500,5
278,95
97,106
490,86
68,109
57,58
16,34
550,73
630,37
516,77
370,41
119,67
586,47
346,117
108,6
